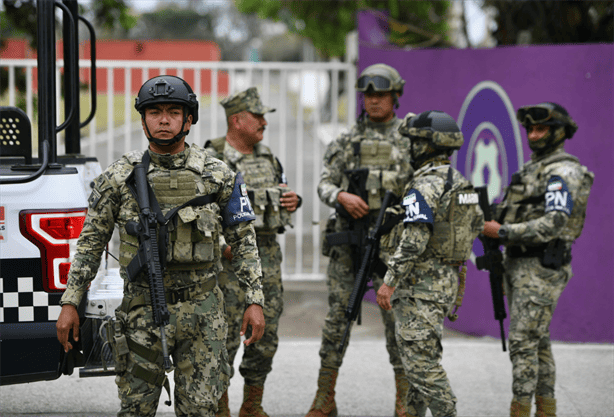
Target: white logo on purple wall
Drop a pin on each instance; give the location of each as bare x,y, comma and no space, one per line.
492,151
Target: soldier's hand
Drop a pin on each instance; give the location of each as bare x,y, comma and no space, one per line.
353,204
68,320
383,296
228,253
253,316
491,229
289,200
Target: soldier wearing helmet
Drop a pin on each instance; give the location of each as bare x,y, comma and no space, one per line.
426,275
194,198
373,144
540,217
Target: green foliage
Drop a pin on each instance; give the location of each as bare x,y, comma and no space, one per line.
108,12
552,22
163,24
327,22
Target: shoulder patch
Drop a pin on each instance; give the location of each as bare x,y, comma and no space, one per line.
558,197
238,208
417,209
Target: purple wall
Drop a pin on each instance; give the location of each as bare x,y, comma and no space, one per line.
482,89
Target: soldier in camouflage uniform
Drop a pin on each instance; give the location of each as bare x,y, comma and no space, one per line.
272,202
177,173
373,143
540,217
442,219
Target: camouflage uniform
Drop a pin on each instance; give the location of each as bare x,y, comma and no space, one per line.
426,280
197,326
544,204
379,147
263,174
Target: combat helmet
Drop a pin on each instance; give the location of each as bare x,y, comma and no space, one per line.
548,114
165,89
380,77
432,133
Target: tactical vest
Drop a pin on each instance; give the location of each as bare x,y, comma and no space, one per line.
380,156
458,219
262,180
525,197
194,235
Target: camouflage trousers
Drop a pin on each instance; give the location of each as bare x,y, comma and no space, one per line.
532,293
257,359
340,282
419,330
195,338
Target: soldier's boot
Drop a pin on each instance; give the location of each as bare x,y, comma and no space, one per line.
400,402
546,406
223,410
520,409
252,402
324,404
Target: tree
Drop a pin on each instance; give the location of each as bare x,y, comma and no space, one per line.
327,22
552,22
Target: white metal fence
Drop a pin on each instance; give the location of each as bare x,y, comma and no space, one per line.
315,102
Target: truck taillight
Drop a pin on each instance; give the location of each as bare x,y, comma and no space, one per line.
55,233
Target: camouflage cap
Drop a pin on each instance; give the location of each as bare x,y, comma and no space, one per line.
245,100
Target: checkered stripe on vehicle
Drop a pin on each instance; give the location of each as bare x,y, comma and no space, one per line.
23,300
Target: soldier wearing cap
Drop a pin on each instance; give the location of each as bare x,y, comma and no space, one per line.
272,201
374,144
194,198
540,217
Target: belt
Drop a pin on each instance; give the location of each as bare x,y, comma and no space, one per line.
173,296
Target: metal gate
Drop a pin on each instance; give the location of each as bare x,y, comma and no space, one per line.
315,102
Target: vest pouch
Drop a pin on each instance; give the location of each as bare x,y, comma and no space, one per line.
259,205
375,153
286,216
183,235
272,217
510,208
113,333
374,185
205,249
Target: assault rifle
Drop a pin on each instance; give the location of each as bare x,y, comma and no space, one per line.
492,260
370,262
358,228
148,256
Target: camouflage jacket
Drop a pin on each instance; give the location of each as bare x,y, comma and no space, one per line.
112,203
263,174
341,154
416,269
546,200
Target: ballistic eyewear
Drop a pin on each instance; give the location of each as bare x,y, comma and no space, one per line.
533,115
378,83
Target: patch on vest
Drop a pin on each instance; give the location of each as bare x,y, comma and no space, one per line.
468,198
238,208
558,197
416,208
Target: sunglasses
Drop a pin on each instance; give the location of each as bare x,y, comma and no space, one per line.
378,83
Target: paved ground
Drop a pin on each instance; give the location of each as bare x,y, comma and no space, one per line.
479,371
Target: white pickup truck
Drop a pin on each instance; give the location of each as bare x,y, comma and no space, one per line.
43,203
